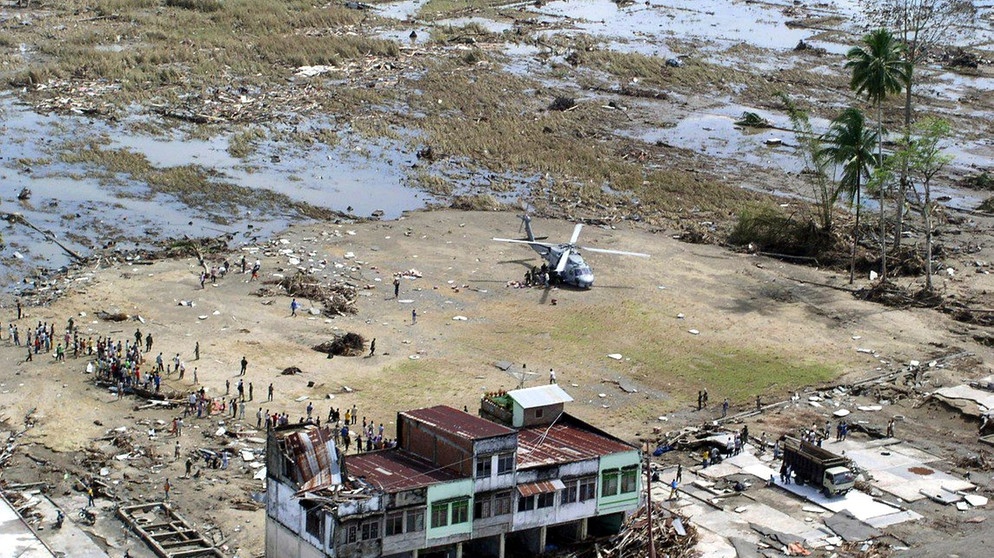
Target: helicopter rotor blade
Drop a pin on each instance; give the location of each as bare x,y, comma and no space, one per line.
529,242
576,233
617,252
563,260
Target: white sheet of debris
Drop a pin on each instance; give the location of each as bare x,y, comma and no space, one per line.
962,396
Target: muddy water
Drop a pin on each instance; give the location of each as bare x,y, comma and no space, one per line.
85,212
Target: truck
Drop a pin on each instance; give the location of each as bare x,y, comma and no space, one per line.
818,466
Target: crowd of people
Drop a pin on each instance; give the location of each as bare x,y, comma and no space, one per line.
124,363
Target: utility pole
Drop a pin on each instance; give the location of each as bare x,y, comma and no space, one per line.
648,499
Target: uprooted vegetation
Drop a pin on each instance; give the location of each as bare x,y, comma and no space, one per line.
338,299
792,236
348,344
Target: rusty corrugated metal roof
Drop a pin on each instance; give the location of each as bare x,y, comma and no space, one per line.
566,441
395,470
540,487
313,454
459,423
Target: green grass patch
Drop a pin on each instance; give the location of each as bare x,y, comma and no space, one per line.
409,384
659,353
739,373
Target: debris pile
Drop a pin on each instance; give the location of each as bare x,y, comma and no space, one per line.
960,58
338,298
561,103
672,534
891,294
349,344
753,120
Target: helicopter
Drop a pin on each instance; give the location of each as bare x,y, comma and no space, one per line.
566,265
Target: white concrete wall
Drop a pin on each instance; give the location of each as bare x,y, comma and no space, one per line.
283,543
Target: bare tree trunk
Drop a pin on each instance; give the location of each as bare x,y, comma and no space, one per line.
904,165
883,221
855,237
928,236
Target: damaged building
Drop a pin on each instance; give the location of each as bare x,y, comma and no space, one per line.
522,477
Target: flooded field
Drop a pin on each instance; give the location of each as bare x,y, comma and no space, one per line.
269,181
86,208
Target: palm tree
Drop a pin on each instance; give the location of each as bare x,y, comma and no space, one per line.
849,143
878,69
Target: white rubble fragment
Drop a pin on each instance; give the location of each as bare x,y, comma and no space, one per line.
975,500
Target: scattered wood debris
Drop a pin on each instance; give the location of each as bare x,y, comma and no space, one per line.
338,298
672,533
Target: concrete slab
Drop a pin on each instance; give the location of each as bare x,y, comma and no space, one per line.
850,528
882,521
970,400
901,470
863,506
712,544
71,540
16,538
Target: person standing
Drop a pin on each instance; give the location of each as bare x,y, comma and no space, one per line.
293,308
258,418
89,495
890,428
724,408
372,347
679,472
196,351
18,309
244,366
270,397
552,376
414,316
167,487
250,392
396,287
